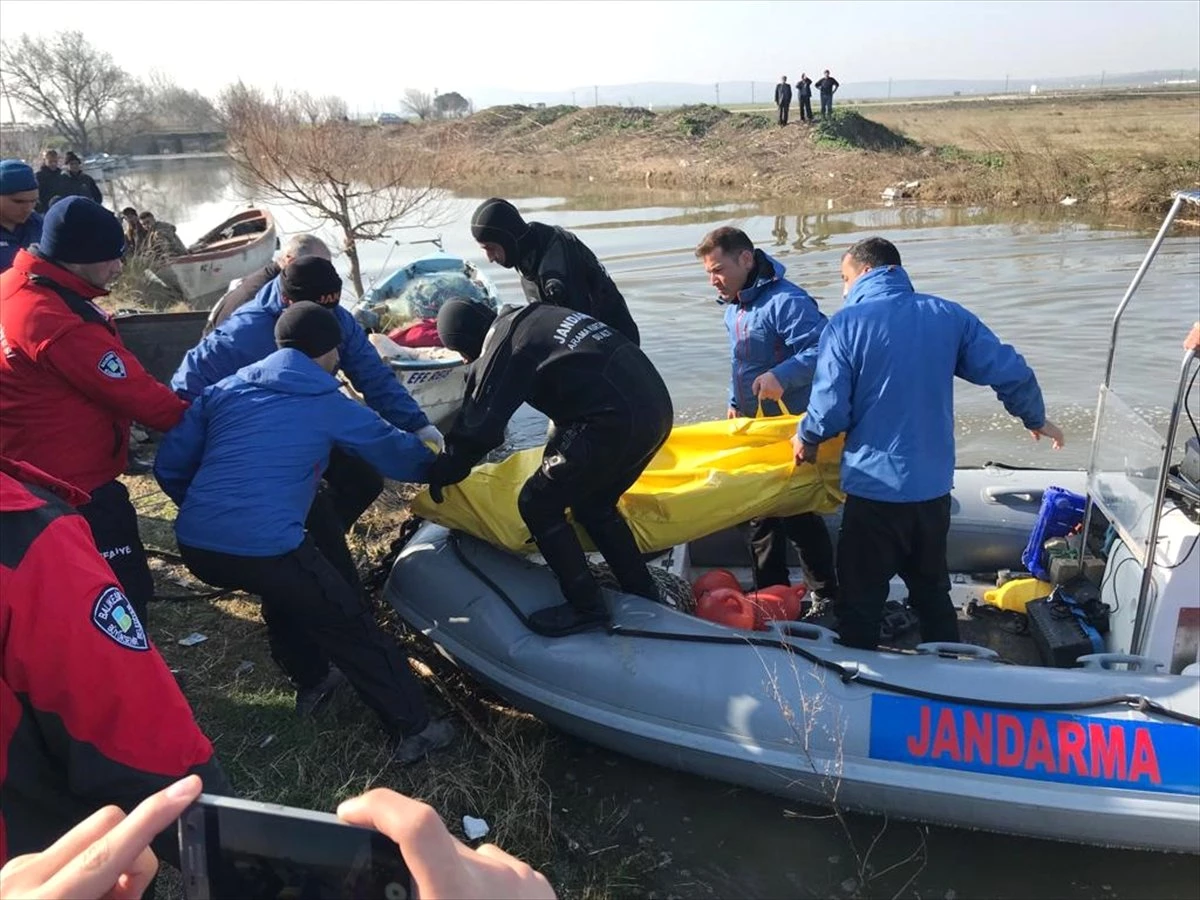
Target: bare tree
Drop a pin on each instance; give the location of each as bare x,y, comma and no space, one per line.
18,141
68,82
169,106
317,110
419,103
336,171
452,104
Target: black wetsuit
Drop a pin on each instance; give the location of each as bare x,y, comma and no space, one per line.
611,413
557,267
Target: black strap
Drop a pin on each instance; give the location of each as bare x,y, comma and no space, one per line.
77,303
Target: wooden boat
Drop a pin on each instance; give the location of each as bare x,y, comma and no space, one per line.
242,244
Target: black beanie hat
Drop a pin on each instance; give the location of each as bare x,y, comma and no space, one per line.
311,278
463,325
497,221
308,327
79,230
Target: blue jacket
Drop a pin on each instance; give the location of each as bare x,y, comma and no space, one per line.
244,464
773,327
249,335
885,377
27,234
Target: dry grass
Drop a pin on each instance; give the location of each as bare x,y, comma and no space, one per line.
1121,152
497,771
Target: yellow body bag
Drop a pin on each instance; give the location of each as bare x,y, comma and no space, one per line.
705,478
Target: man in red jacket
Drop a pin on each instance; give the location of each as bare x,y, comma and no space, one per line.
68,387
89,713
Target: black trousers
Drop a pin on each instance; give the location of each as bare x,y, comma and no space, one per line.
783,113
113,521
314,617
826,105
349,486
880,540
806,109
586,468
768,549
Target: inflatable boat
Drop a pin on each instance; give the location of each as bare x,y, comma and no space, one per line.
1101,747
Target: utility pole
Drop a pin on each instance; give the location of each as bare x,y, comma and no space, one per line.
1102,74
595,95
718,87
573,98
752,93
889,87
1006,84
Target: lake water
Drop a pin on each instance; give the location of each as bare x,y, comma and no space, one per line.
1047,283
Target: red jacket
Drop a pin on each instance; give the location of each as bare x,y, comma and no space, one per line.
89,712
68,387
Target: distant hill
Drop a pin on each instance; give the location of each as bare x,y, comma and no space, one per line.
658,93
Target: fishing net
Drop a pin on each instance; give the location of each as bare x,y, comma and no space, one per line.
422,297
673,590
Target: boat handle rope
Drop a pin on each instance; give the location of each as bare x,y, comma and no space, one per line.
1138,702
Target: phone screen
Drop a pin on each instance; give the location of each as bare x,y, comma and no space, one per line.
235,851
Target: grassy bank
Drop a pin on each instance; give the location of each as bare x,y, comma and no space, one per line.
1120,151
498,771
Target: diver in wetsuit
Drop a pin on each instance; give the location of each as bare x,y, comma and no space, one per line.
611,413
555,266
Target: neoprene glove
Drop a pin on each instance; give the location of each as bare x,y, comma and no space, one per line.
430,435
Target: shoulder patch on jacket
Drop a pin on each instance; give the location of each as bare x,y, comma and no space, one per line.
113,614
112,365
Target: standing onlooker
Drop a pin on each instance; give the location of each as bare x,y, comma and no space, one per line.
774,327
783,99
828,87
69,389
49,178
885,376
77,183
20,226
804,97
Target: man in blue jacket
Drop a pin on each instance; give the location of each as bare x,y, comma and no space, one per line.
885,376
773,327
247,336
243,467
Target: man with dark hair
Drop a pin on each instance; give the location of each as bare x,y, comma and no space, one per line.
161,237
555,266
69,389
49,179
92,715
783,99
77,183
241,467
885,376
611,413
20,226
804,87
774,327
828,86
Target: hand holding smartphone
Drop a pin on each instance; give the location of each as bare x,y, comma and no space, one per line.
230,848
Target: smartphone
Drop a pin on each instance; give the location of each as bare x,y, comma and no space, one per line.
230,848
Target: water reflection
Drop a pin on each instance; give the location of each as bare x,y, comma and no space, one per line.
172,189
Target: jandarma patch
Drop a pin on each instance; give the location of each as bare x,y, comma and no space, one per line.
113,615
111,365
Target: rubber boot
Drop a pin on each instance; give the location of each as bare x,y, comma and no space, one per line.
585,607
615,541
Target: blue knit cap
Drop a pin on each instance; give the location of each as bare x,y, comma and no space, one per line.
78,230
15,177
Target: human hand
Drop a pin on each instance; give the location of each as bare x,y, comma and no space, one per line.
732,413
1192,341
107,855
442,867
435,492
767,387
1051,431
802,452
430,435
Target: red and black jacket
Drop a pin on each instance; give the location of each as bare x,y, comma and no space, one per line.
89,713
68,387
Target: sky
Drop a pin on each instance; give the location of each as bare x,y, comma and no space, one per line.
370,52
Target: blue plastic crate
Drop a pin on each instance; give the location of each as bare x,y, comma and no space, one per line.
1061,511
